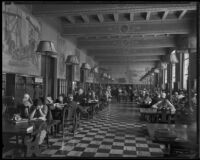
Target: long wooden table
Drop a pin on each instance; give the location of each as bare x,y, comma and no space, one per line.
92,104
152,113
23,129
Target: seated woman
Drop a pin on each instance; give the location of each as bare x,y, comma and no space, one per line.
24,109
164,103
39,110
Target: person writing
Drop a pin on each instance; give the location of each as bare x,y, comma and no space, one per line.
164,103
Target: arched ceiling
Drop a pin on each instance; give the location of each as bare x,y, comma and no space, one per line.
123,33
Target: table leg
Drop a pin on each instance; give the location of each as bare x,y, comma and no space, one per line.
17,139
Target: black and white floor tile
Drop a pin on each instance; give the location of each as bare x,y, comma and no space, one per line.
114,132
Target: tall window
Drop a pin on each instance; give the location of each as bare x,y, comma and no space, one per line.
185,69
165,75
173,74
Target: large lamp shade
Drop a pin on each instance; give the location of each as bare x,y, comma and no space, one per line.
72,59
46,47
95,70
85,66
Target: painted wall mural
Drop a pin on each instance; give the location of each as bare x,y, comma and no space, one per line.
21,35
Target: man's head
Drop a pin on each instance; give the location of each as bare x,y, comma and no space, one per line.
26,97
163,95
60,98
176,93
80,91
70,97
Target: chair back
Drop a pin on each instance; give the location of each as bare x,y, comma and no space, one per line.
165,115
69,117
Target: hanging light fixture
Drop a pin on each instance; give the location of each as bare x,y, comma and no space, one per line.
72,59
95,70
85,66
46,48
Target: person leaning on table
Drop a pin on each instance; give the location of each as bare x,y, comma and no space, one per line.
164,103
39,111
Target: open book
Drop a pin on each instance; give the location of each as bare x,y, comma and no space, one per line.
20,121
40,118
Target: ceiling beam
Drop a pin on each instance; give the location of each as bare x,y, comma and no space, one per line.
100,17
182,14
143,51
71,19
85,18
131,17
165,15
125,62
116,17
144,63
123,58
169,27
148,16
77,9
154,43
127,55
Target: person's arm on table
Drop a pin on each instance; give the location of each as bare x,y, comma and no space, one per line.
173,109
156,105
34,108
43,111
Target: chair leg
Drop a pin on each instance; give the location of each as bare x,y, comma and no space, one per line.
47,139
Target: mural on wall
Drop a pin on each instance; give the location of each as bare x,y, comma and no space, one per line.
62,50
21,35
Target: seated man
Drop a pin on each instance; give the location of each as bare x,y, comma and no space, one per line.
80,97
164,103
38,110
156,99
57,107
147,100
175,99
24,108
73,107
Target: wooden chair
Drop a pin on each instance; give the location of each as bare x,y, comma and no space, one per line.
164,115
73,122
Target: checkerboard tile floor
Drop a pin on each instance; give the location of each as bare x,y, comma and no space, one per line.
114,132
